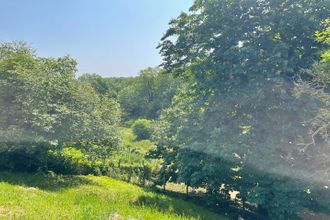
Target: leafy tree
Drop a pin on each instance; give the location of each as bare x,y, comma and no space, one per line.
324,36
149,93
101,85
109,87
44,107
240,113
223,41
140,97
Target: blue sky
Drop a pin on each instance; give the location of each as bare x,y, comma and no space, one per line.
107,37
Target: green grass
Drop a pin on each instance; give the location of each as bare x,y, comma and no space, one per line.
26,196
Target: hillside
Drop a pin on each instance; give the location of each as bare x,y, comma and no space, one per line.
87,197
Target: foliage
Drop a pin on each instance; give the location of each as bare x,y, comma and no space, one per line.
142,128
231,41
239,125
109,87
151,91
43,106
324,36
140,97
69,161
129,162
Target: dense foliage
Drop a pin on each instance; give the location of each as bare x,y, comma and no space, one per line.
43,107
143,96
130,163
143,129
242,124
151,91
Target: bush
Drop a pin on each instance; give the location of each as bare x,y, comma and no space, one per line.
69,161
143,129
20,159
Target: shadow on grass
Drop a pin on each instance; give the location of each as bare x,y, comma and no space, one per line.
228,209
179,207
48,182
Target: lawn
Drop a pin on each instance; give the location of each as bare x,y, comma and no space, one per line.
28,196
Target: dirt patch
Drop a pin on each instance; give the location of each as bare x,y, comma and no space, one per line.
4,211
11,213
116,216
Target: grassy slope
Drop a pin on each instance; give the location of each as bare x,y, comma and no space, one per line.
24,196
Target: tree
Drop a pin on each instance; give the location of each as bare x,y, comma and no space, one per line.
240,114
324,36
148,94
219,40
44,107
109,87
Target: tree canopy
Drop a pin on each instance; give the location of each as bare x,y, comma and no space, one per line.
240,124
44,107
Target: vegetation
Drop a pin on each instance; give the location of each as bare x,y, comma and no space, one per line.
143,96
87,197
143,129
240,124
129,162
240,105
43,108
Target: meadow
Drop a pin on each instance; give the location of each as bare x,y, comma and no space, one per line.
40,196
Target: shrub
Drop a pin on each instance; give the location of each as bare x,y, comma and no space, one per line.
143,129
69,161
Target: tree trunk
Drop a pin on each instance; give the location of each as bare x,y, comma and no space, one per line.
129,174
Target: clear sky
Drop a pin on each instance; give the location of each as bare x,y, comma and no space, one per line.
107,37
